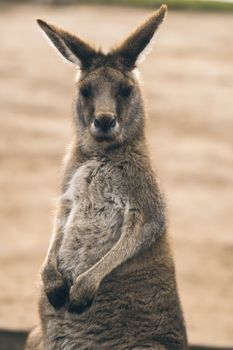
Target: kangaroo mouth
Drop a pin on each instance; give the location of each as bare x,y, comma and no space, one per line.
102,138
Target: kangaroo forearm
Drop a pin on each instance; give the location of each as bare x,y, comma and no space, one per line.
70,166
54,247
127,246
122,251
58,231
136,236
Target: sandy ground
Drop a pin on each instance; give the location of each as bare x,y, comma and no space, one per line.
188,85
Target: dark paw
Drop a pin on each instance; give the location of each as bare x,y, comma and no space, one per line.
81,307
58,296
82,293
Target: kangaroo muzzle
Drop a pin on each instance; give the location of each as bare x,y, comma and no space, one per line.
105,121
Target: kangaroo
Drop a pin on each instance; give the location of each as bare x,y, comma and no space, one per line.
108,278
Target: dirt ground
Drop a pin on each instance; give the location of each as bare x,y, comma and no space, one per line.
188,81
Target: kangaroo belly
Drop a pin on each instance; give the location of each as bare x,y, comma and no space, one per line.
96,216
136,303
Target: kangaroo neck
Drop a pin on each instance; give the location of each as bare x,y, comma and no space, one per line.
112,151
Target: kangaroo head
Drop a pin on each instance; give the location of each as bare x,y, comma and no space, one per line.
108,104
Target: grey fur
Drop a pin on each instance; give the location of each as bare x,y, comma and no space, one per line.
109,278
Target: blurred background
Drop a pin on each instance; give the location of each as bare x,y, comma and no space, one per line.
188,85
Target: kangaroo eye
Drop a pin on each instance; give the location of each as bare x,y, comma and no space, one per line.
85,91
125,91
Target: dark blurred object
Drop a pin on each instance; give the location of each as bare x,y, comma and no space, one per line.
15,340
12,340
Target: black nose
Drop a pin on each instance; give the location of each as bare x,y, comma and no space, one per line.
105,121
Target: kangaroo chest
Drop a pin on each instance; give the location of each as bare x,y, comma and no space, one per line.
97,198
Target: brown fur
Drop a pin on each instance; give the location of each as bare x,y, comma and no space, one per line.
15,340
109,279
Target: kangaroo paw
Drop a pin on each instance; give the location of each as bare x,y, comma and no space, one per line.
82,294
58,295
55,286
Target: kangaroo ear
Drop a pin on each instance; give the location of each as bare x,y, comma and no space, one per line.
130,49
70,46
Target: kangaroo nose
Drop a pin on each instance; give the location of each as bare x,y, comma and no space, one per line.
105,121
